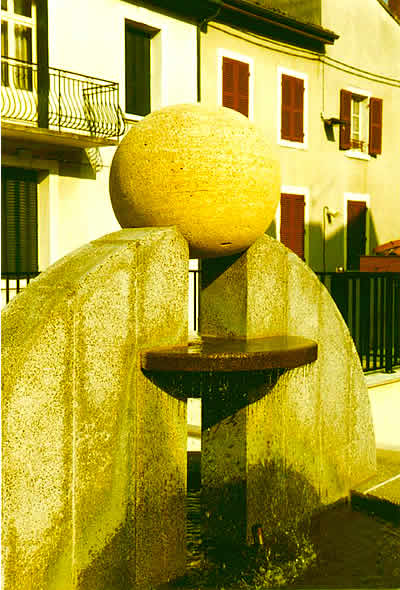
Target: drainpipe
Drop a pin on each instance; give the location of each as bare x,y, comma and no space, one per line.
202,28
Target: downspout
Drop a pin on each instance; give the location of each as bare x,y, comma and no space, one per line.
202,28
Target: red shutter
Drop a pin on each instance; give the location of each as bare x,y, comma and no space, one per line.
292,114
243,88
345,115
286,107
375,126
228,85
292,223
356,233
298,109
235,85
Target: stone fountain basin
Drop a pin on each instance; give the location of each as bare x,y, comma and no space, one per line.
214,354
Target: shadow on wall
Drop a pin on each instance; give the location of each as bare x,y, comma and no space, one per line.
326,255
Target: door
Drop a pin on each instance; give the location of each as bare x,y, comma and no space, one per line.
292,223
356,233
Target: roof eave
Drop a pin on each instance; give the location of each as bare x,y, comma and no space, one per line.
261,15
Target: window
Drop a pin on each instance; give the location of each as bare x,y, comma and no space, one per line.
17,42
137,67
292,101
292,225
362,128
19,242
235,85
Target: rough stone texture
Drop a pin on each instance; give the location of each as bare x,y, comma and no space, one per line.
94,453
209,171
308,437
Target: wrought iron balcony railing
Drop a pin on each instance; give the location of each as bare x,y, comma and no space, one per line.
59,100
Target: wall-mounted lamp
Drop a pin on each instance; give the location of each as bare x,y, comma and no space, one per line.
330,214
332,120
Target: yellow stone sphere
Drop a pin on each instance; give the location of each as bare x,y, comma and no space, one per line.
209,171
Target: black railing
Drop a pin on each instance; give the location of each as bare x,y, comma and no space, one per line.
194,277
12,284
370,306
62,100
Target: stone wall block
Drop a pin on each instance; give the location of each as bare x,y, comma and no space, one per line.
267,287
36,443
76,403
224,317
309,438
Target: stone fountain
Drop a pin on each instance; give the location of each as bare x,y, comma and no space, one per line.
97,368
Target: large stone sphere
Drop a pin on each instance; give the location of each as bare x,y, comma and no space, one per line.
208,171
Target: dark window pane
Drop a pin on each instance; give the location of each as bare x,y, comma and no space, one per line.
3,4
137,71
23,7
19,243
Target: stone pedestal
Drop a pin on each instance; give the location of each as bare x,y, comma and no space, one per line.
283,444
94,453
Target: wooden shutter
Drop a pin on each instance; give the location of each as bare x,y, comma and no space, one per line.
243,88
19,243
298,109
292,223
137,71
375,126
235,85
356,233
292,110
345,115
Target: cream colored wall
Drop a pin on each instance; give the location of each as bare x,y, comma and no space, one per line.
369,36
327,172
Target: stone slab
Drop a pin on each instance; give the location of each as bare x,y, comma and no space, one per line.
309,448
232,355
94,453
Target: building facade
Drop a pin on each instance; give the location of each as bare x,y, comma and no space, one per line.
71,87
321,78
327,99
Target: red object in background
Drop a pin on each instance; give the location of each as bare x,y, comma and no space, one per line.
390,248
387,258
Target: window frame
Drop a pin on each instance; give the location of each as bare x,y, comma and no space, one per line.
10,17
12,20
221,53
150,32
365,96
302,76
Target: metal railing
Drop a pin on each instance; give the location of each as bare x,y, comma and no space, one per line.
12,284
61,100
194,277
370,306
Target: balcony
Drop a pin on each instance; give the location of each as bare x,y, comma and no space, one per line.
55,106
